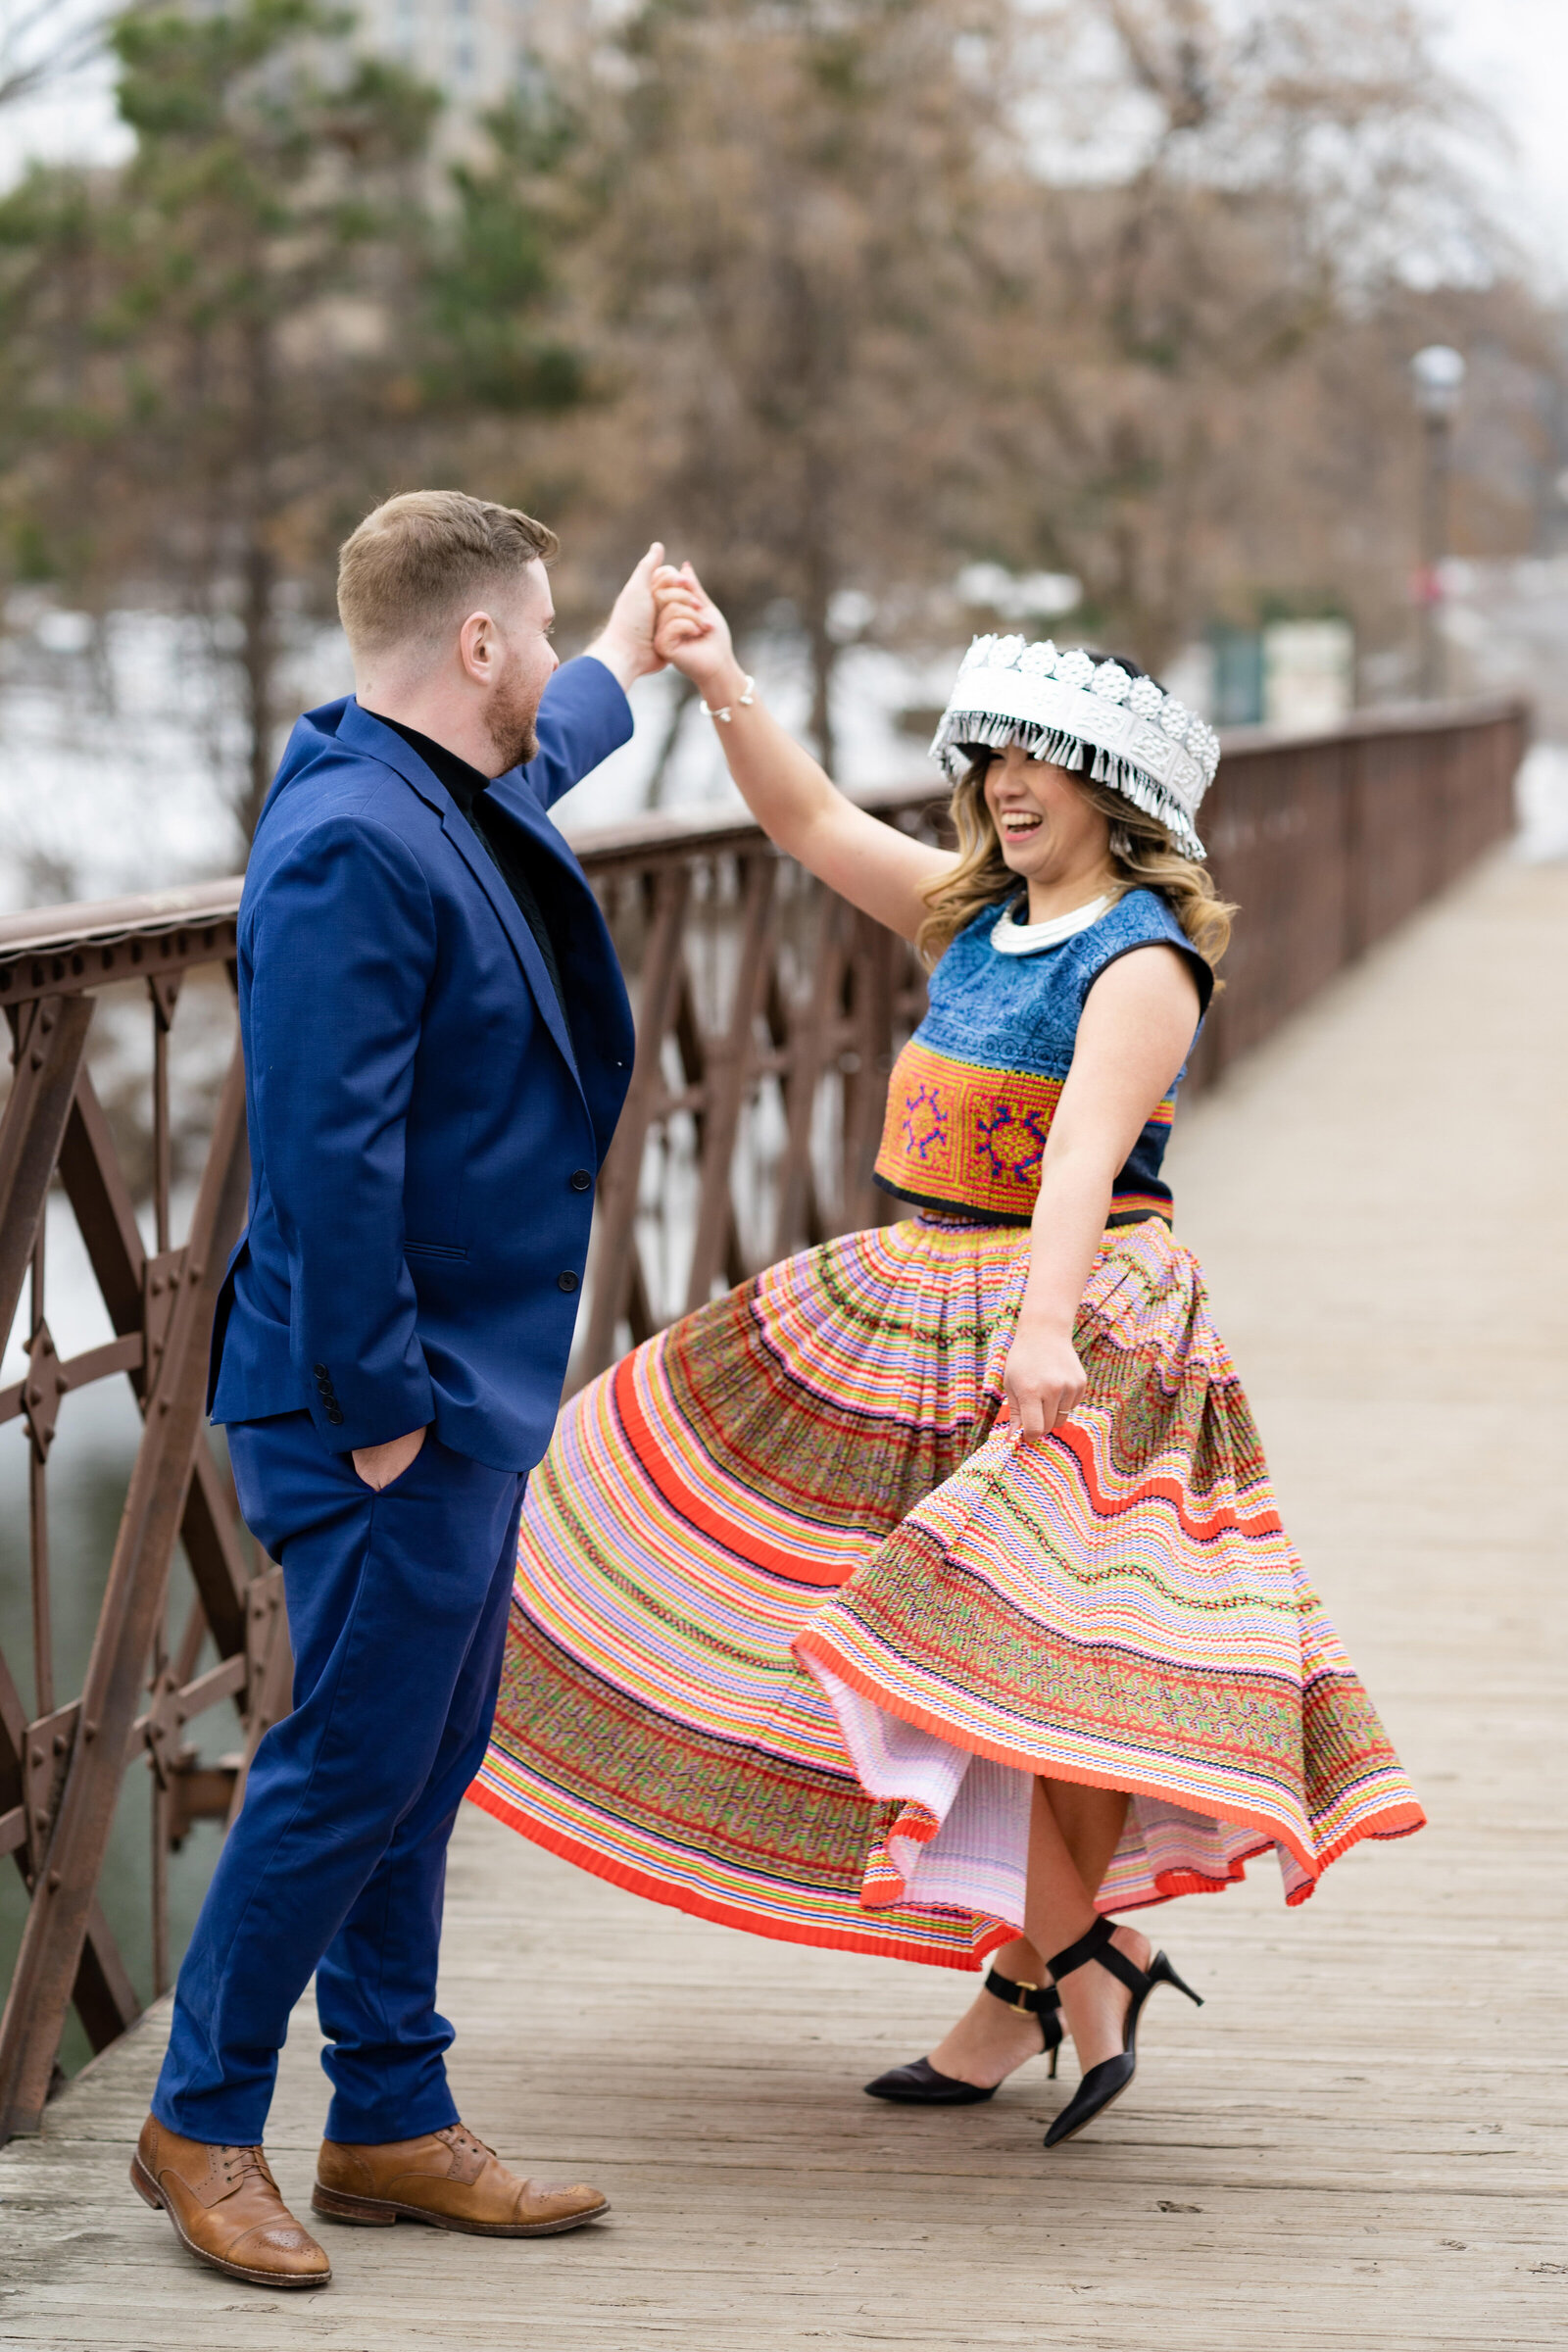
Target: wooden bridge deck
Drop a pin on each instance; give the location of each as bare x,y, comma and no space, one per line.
1358,2143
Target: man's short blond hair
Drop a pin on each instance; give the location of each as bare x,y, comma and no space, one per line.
421,559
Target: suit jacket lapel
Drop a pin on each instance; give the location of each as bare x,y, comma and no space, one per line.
385,744
483,867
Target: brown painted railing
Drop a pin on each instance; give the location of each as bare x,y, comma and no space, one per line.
769,1017
62,1761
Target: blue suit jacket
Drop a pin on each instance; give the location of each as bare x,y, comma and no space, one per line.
424,1128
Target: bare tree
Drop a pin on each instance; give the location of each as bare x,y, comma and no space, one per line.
779,279
1112,288
46,42
1224,195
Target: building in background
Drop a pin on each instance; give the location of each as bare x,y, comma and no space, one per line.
1309,673
479,53
1295,675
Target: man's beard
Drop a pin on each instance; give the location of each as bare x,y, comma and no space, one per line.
509,724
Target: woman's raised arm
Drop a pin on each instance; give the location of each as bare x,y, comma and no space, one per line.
793,799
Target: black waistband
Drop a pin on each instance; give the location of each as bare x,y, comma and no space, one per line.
969,1220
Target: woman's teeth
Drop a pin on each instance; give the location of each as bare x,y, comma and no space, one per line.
1018,823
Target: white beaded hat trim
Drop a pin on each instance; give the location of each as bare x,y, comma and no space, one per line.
1145,744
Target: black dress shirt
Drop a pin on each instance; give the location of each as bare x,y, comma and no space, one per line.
508,848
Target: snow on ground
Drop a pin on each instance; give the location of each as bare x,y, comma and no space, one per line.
1542,792
112,740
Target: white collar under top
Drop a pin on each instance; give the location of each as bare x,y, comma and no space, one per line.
1013,938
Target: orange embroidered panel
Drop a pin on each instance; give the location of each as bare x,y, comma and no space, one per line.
974,1138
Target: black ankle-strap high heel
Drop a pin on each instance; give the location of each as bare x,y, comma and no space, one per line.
1110,2078
919,2084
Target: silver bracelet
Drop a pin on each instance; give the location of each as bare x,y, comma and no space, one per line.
744,701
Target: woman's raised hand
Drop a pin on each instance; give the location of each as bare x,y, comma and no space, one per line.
874,865
689,630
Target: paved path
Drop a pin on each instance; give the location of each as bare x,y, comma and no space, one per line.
1358,2143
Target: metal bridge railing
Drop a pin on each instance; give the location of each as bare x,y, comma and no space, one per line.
769,1017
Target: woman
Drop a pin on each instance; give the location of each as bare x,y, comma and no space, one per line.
926,1594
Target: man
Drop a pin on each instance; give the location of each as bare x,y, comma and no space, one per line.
437,1044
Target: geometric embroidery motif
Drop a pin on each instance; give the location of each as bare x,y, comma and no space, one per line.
961,1133
925,1122
1011,1143
972,1137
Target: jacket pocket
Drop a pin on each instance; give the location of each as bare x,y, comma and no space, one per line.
433,1250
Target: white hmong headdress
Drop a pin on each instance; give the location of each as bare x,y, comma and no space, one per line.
1142,742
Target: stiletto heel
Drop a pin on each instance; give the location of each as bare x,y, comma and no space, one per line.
919,2084
1106,2081
1160,1968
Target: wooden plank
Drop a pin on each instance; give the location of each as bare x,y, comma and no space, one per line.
1358,2143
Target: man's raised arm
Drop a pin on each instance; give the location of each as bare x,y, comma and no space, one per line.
583,718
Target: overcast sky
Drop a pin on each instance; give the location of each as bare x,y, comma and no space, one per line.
1514,52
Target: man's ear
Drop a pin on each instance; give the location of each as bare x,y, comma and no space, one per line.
477,645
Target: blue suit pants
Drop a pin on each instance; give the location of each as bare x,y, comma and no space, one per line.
397,1610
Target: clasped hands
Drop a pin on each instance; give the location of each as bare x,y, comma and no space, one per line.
664,615
691,633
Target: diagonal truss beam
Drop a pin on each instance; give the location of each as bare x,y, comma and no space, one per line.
89,1171
51,1039
104,1995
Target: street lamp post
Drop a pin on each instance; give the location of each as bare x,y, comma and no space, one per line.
1436,374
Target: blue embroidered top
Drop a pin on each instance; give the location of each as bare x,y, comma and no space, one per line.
972,1095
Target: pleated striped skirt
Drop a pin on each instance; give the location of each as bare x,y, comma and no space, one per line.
798,1615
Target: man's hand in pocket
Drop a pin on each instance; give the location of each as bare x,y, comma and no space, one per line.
380,1465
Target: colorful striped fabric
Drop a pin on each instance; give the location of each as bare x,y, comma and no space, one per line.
797,1616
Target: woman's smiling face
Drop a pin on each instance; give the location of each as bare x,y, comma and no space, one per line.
1047,831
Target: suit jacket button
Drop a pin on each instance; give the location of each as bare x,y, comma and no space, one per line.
566,1281
581,1181
334,1414
321,1372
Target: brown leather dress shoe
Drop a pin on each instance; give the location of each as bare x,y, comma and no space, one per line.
450,2179
225,2205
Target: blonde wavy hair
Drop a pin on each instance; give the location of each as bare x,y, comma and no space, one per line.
1141,855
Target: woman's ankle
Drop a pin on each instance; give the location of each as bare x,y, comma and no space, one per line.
990,2041
1095,2002
1020,1961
